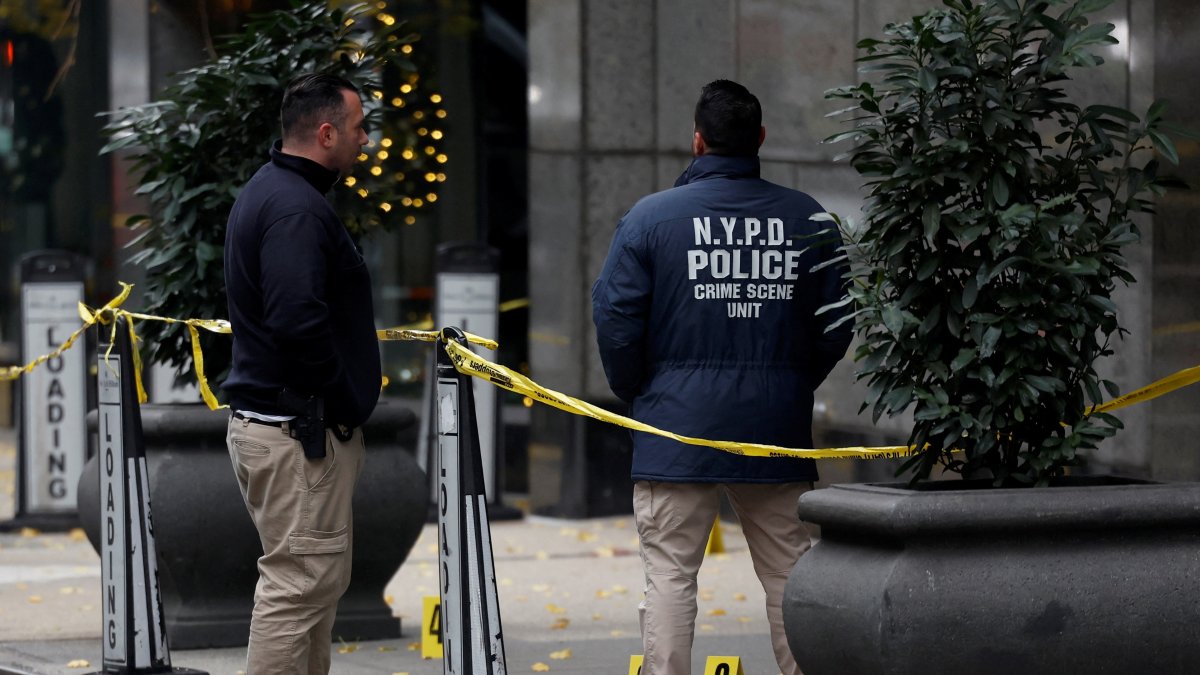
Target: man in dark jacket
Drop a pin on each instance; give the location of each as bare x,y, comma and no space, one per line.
305,374
705,316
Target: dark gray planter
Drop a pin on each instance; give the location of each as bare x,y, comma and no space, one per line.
208,547
1076,579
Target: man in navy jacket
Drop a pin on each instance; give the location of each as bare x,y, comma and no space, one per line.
706,321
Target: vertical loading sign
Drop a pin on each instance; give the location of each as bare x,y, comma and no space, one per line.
114,510
54,399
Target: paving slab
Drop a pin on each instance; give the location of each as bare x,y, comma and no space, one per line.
568,591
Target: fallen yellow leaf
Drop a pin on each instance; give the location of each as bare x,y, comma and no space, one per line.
30,532
597,617
618,588
389,599
587,536
77,534
386,648
739,596
542,555
560,623
79,663
561,655
706,596
35,599
706,628
716,612
538,588
605,552
414,646
617,633
744,619
347,648
66,590
602,594
555,609
540,667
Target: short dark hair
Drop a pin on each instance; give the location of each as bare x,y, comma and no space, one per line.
312,99
729,118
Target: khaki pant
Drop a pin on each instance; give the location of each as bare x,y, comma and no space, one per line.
673,522
302,510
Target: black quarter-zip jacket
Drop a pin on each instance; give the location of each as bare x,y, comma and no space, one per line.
299,296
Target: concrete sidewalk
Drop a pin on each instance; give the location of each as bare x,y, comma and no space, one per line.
568,596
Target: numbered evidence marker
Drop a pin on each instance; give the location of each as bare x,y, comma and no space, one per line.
431,628
723,665
635,664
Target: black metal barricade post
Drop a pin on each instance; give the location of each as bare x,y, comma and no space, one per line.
472,637
53,397
468,297
134,634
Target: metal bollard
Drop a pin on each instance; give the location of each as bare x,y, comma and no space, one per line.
472,637
53,398
134,634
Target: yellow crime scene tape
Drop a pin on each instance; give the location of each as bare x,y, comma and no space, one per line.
467,362
470,363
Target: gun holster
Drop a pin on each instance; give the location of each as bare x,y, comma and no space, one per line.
309,425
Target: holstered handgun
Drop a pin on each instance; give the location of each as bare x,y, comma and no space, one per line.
309,425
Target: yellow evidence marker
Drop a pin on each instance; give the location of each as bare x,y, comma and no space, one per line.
716,544
635,664
431,627
724,665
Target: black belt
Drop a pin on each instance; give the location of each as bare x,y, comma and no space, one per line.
255,420
343,433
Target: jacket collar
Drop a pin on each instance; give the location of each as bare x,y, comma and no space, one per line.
319,177
719,166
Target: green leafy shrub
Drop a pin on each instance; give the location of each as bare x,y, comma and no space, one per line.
984,267
194,148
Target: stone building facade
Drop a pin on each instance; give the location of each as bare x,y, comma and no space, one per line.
612,88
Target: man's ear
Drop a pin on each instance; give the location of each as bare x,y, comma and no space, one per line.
699,147
325,134
762,135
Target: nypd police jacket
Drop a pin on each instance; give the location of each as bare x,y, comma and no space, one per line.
706,321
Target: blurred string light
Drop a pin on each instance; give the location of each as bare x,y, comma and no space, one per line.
405,164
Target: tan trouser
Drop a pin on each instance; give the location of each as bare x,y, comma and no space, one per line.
673,522
302,509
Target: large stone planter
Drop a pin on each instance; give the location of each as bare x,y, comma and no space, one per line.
1079,579
208,547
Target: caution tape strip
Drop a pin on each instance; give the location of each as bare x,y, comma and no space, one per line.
89,317
472,364
1168,384
402,333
